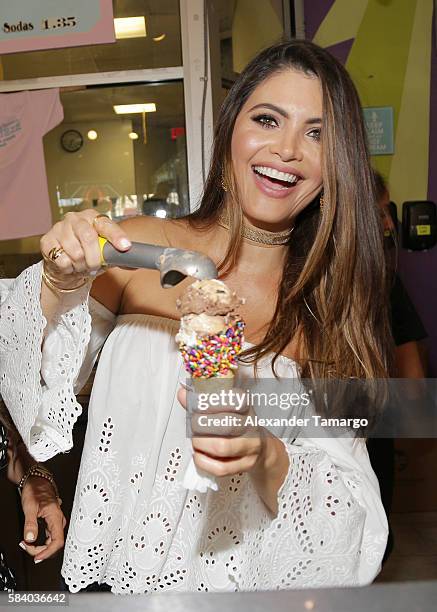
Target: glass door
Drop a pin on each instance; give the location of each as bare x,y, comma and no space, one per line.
121,149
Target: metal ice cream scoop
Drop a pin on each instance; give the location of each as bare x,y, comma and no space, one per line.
173,264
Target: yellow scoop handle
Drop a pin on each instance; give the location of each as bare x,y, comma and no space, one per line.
102,242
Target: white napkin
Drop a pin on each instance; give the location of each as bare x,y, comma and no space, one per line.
198,480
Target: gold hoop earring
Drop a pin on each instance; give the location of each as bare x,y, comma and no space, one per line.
322,203
223,182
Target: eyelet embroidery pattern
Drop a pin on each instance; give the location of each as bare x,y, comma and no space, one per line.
133,525
19,381
44,415
305,545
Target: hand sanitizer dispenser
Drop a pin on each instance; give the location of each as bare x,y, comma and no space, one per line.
419,225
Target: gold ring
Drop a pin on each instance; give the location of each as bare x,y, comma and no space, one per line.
55,252
99,217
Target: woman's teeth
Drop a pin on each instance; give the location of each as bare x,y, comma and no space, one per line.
272,173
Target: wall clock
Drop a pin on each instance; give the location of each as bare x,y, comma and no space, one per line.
71,141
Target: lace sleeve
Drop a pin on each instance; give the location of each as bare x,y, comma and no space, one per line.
37,384
330,530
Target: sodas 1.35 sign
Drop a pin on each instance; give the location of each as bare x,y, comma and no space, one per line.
50,24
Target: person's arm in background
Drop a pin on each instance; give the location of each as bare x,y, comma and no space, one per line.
409,334
410,360
38,498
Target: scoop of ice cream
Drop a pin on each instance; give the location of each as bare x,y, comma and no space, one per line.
210,297
194,327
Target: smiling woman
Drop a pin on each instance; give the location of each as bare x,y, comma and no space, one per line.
291,512
295,111
276,150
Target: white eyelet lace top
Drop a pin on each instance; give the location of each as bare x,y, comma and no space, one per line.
133,525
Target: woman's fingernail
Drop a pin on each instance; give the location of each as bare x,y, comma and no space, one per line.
38,561
125,243
22,545
30,536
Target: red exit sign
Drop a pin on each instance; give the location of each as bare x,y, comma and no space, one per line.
177,132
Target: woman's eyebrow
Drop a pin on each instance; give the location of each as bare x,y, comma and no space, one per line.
282,112
272,107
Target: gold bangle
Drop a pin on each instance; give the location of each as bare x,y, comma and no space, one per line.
54,287
41,472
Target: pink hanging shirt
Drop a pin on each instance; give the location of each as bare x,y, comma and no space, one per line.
25,118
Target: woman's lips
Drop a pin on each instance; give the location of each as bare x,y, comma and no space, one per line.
271,189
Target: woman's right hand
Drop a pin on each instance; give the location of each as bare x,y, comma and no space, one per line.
78,237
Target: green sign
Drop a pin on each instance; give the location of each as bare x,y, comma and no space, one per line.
379,125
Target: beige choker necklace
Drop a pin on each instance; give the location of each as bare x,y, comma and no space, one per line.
257,235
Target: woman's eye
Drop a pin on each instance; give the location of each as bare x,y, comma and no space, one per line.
315,134
266,120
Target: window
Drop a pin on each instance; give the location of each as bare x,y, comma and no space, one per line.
159,48
124,163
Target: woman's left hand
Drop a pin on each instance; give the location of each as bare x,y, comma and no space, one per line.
225,450
38,500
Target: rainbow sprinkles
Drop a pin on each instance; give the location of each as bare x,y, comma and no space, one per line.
214,355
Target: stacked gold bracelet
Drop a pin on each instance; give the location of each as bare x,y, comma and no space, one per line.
51,283
41,472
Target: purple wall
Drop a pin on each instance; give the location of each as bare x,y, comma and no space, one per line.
315,12
418,270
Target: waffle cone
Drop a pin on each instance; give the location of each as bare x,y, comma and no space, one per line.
214,384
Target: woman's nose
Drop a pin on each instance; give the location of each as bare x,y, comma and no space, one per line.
287,147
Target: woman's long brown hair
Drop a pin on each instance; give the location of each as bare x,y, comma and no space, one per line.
333,294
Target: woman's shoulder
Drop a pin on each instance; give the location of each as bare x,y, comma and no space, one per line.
167,232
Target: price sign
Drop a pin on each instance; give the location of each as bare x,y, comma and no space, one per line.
50,24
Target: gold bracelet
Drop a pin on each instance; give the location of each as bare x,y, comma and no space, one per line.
54,287
41,472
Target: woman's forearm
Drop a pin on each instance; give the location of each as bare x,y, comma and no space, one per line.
270,472
52,300
20,461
